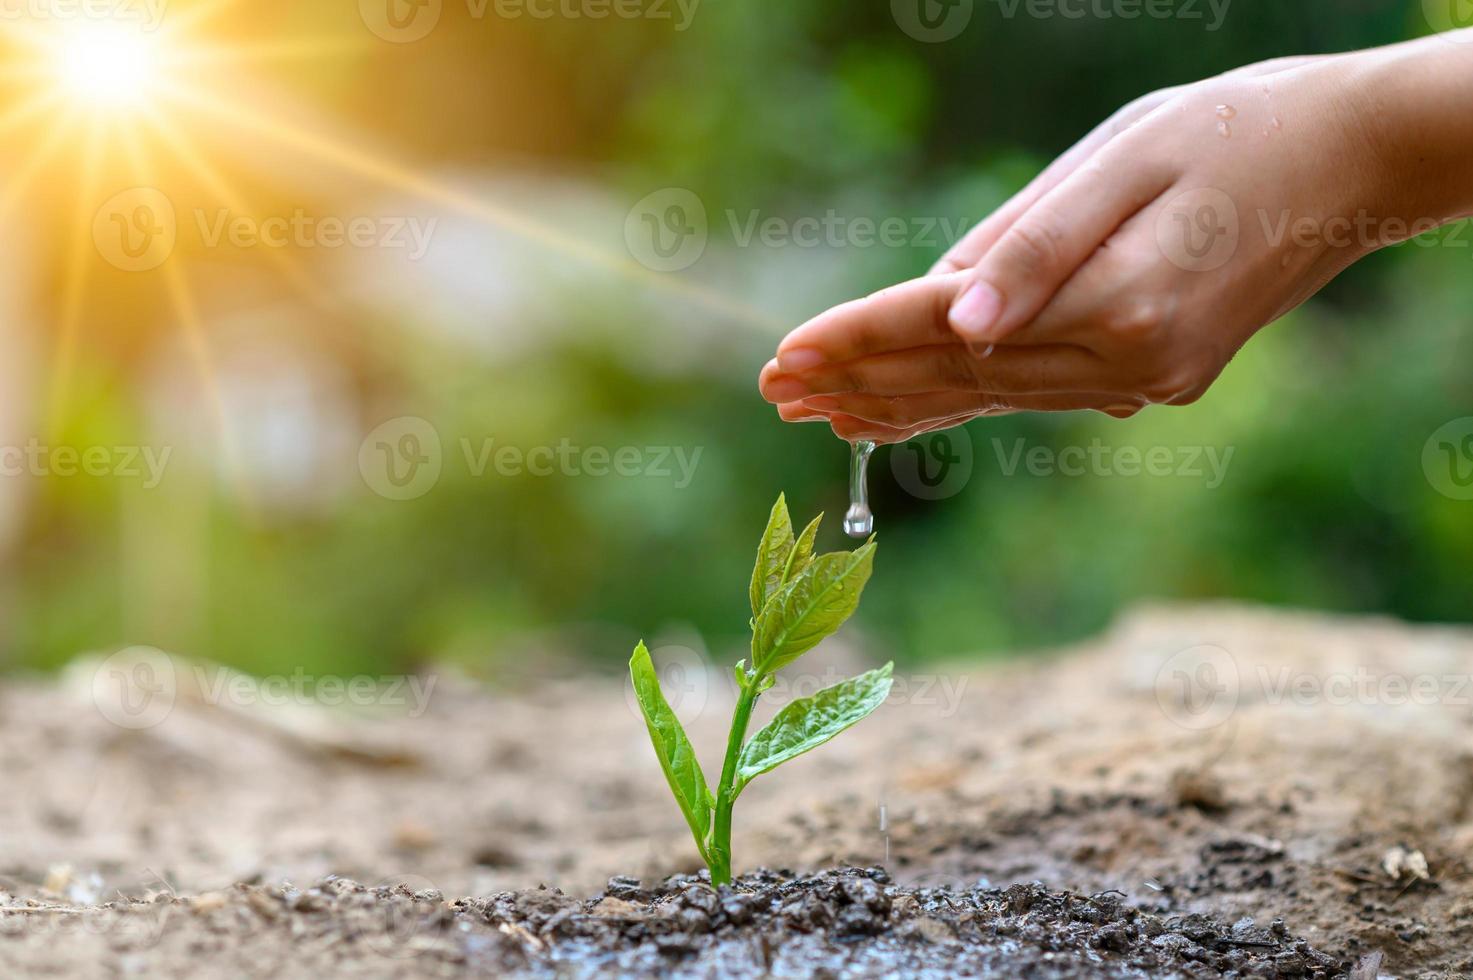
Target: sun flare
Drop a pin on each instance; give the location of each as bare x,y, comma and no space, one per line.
120,101
103,64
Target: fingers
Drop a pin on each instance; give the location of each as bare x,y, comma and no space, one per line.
850,429
935,406
1046,369
968,252
1044,247
912,314
798,412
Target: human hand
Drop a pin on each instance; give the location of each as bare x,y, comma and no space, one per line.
1128,274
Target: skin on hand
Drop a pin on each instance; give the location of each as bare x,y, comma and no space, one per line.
1131,270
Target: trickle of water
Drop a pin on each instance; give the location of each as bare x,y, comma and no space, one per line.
1226,112
859,521
1224,130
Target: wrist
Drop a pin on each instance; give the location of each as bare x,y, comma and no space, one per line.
1408,105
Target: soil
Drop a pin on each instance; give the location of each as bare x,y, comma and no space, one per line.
1204,792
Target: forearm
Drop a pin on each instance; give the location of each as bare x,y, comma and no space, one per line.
1413,102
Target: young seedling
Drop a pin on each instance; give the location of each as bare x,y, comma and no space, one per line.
798,598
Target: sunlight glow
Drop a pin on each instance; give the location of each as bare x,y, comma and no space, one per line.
107,64
97,85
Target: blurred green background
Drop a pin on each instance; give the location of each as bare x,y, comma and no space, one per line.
279,554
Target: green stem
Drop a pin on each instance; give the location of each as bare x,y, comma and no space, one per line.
720,858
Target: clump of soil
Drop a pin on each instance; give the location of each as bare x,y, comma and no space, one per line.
846,922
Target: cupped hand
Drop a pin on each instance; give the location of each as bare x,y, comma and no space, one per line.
1127,274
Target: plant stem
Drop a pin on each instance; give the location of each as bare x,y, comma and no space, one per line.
720,858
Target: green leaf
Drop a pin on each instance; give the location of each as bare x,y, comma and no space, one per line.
813,606
809,722
801,556
772,555
677,757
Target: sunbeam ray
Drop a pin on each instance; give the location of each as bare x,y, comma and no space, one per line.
206,53
186,153
78,268
187,312
401,178
24,112
20,178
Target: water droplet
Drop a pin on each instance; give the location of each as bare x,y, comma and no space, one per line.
1224,130
1226,112
1277,123
860,520
1285,264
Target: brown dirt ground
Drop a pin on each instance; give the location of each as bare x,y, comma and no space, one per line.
1349,818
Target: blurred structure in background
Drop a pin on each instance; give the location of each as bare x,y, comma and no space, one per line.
396,344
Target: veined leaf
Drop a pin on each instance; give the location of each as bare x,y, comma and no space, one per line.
814,605
809,722
802,554
772,555
677,757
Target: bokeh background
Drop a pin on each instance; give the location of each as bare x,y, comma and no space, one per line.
534,152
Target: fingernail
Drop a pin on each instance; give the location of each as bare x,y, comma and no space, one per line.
977,310
822,403
786,390
798,360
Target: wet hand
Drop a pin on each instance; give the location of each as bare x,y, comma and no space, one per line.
1127,275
